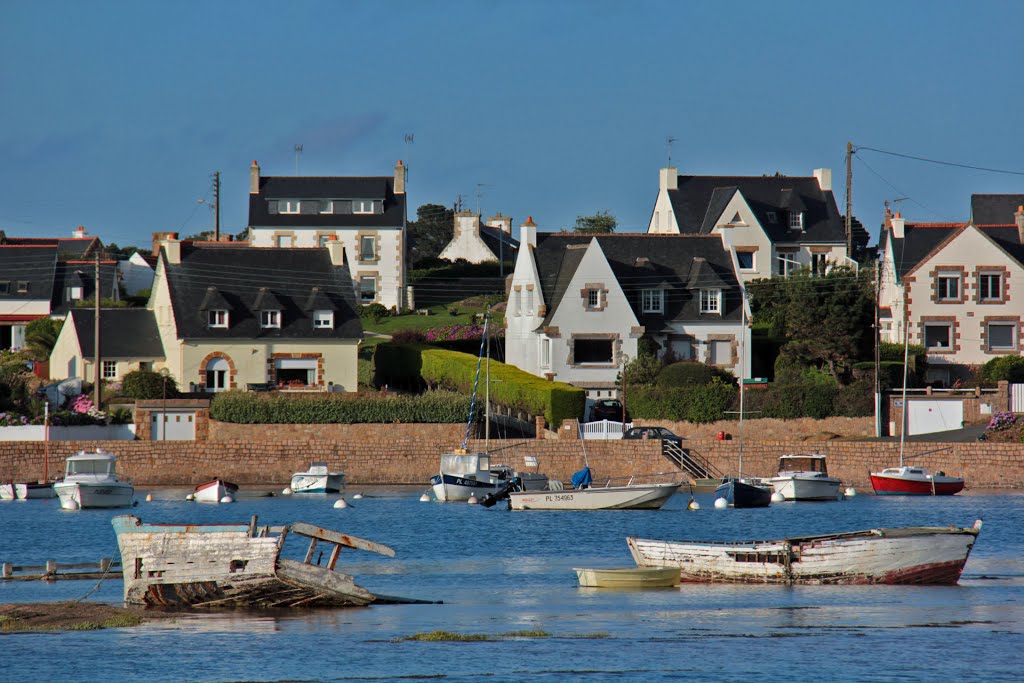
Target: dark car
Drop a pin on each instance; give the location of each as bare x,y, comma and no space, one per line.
653,433
607,409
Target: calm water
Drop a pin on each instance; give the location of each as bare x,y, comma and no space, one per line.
499,571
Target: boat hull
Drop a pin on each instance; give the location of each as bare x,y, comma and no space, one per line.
448,487
26,491
214,491
886,485
796,487
917,555
84,495
629,577
637,497
317,483
742,495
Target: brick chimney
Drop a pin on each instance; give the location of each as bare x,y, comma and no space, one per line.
400,175
336,250
503,223
254,178
668,178
897,224
1018,217
160,237
466,222
824,176
528,233
79,232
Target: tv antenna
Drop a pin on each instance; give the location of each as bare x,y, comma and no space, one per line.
298,153
479,193
409,138
668,144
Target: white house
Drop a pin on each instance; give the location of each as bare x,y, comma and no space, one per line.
579,304
477,243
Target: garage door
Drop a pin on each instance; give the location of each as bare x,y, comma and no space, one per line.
926,417
174,425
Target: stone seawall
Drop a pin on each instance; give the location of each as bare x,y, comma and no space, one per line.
404,454
773,429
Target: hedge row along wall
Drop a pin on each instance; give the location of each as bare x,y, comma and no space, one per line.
252,408
405,364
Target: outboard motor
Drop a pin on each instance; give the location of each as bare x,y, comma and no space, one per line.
513,484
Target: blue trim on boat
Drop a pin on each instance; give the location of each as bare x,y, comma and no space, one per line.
452,480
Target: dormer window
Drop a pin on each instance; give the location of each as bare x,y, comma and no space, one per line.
5,287
73,293
710,301
652,301
288,206
218,318
796,220
362,206
270,319
773,217
22,286
323,320
326,206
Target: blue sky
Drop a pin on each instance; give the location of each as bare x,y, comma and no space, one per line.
116,114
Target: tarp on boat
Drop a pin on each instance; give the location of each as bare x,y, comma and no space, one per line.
582,479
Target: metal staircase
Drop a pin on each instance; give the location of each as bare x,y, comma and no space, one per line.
689,461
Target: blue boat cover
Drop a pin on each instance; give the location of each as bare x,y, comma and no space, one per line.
582,479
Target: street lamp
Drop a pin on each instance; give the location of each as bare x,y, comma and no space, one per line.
164,372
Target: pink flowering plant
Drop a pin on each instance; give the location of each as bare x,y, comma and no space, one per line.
457,333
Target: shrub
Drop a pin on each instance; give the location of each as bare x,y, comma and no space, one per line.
699,404
857,399
684,373
147,384
408,337
373,311
642,370
257,408
1008,368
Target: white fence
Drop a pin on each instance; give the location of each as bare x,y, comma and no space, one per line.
604,429
82,433
1017,398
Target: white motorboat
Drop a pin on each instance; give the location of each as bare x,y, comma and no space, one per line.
214,491
625,497
90,481
805,477
317,479
26,490
471,474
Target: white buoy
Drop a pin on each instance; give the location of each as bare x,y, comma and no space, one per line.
71,504
358,496
693,505
425,498
149,497
286,491
227,499
190,496
721,503
472,499
851,492
778,497
340,504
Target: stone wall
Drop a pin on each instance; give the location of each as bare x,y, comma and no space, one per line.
408,454
772,429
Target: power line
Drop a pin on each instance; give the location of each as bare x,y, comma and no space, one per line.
940,163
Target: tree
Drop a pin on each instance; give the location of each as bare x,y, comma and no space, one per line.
430,233
41,337
600,223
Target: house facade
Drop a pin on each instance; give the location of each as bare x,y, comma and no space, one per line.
955,288
579,304
476,242
366,215
776,223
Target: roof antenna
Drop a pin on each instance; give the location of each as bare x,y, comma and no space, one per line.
298,153
479,193
668,143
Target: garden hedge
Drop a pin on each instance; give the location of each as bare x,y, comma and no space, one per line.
258,408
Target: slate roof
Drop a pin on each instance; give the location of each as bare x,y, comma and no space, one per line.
992,209
700,200
679,264
239,274
921,239
32,264
328,187
124,333
501,244
82,274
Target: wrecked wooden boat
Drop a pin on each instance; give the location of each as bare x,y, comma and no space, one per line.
907,555
236,565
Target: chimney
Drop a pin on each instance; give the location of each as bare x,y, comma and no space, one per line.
897,224
467,223
172,247
824,176
528,233
1019,218
503,223
160,237
336,250
254,178
669,178
79,232
400,175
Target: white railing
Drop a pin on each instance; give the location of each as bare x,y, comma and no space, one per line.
1017,398
604,429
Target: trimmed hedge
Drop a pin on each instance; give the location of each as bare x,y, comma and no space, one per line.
511,387
256,408
697,403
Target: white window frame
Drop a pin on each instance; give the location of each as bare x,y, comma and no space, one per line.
711,301
943,279
270,319
545,352
796,220
289,238
289,206
949,336
373,251
593,298
360,206
23,286
323,320
362,288
819,263
217,318
652,301
1012,346
329,203
74,293
109,370
529,302
984,282
753,259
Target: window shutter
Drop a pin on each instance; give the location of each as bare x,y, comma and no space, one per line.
378,206
325,206
309,207
272,206
343,206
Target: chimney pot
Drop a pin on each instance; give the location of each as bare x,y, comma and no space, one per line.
401,173
254,178
1019,220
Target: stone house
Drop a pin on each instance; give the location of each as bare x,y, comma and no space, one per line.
477,243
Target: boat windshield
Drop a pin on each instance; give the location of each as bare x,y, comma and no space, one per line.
455,463
101,466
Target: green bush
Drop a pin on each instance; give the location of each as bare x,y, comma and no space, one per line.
373,311
1008,368
857,399
684,373
257,408
643,370
146,384
699,404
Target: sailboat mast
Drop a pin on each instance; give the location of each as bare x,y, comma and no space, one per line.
906,356
46,441
487,389
743,330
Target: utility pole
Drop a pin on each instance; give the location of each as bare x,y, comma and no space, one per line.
878,351
216,206
849,199
97,358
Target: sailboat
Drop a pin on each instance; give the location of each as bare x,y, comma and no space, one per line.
33,489
737,491
464,475
911,480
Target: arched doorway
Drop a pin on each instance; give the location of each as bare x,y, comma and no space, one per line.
218,375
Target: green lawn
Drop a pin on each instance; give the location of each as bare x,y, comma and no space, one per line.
439,317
